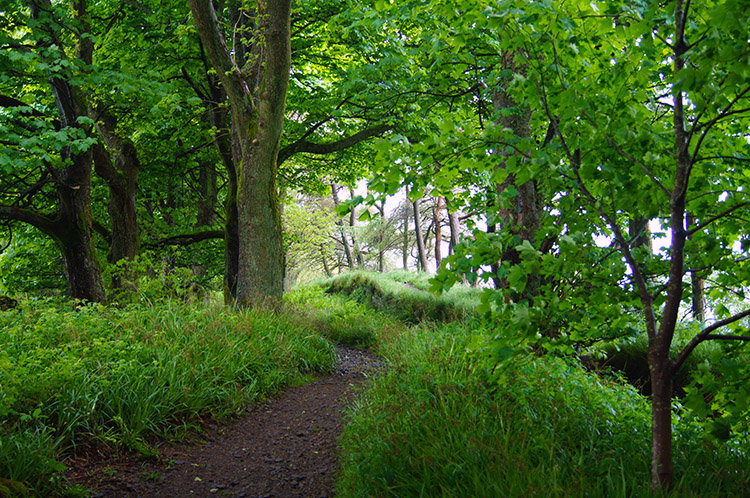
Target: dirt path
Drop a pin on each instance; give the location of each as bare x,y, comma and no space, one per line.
286,447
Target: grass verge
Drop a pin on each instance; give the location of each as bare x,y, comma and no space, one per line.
432,425
122,377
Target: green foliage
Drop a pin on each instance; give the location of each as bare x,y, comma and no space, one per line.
30,455
31,263
629,358
718,396
152,277
308,236
623,108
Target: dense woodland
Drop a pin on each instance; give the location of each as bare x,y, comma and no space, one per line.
577,167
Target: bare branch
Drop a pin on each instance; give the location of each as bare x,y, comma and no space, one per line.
344,143
186,239
714,218
703,336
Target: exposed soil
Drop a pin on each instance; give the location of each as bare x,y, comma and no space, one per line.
286,447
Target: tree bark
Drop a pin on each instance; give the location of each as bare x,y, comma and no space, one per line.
436,210
420,239
355,243
71,227
342,231
122,182
660,365
257,96
455,226
208,194
522,218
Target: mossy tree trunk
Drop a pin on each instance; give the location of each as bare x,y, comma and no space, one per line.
257,95
519,216
71,224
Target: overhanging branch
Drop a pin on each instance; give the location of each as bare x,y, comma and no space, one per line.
186,239
33,218
705,334
339,145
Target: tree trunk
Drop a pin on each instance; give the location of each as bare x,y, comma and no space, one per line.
405,243
326,268
436,210
381,237
520,218
661,416
227,145
122,182
342,231
455,225
261,266
208,194
420,239
698,285
81,268
122,176
257,93
662,473
72,226
355,243
231,238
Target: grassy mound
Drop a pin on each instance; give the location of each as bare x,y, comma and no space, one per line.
405,296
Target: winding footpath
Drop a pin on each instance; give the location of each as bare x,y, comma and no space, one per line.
286,447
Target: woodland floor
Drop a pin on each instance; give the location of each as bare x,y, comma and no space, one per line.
285,447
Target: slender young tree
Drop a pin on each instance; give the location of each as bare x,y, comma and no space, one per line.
421,250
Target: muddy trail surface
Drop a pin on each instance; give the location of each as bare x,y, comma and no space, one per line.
285,447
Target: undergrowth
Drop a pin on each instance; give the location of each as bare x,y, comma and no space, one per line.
341,320
119,378
438,424
431,427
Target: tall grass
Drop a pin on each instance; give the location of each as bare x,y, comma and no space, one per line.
120,377
342,320
434,426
